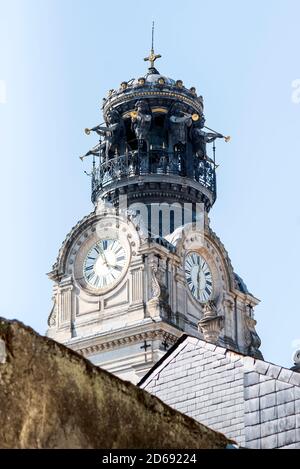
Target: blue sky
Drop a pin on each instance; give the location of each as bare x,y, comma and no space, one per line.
59,58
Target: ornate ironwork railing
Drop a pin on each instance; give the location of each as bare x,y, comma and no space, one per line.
138,163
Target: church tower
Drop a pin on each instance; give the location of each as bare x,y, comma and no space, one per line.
144,266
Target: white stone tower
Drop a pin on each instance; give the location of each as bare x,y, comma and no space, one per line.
145,266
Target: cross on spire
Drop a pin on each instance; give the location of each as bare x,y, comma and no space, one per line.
152,56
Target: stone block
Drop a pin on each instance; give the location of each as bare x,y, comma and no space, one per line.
252,432
286,438
286,423
268,401
268,414
280,386
210,346
273,371
211,365
297,406
238,364
285,375
240,426
267,387
269,428
254,444
229,366
248,363
269,442
252,419
261,367
252,405
251,392
295,379
284,410
264,378
237,382
220,350
285,396
251,378
240,404
232,356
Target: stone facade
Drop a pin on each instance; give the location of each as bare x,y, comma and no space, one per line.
252,401
129,327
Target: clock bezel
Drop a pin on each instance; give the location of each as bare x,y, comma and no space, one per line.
85,262
200,254
81,258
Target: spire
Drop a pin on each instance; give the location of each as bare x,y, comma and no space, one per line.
152,56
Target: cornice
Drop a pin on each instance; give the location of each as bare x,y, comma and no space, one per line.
99,344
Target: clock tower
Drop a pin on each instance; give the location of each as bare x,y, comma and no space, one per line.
144,266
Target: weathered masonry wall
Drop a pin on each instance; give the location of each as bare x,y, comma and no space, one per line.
51,397
254,402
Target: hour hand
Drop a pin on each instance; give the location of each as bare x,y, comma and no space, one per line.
103,256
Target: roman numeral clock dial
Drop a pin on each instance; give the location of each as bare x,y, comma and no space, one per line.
198,277
104,263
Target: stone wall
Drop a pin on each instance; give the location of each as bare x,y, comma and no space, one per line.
51,397
252,401
272,407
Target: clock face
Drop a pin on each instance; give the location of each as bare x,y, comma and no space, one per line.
104,263
198,277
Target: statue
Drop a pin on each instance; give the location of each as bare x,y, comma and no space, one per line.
113,133
178,123
200,138
141,121
252,339
95,151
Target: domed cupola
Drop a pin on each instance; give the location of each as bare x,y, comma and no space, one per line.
152,145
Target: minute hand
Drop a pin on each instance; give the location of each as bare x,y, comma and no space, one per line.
103,256
198,282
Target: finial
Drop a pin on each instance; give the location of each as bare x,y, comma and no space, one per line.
152,56
152,42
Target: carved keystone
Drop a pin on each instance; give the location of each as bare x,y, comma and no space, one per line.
2,352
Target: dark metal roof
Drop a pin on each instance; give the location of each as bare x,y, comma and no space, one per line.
241,284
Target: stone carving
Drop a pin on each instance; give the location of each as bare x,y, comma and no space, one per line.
158,304
141,121
296,358
178,123
155,286
113,133
211,324
252,338
52,320
199,138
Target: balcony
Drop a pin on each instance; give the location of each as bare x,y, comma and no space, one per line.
153,162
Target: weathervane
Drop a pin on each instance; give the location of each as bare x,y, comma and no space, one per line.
152,56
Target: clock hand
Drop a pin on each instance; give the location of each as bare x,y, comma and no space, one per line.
103,257
198,282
